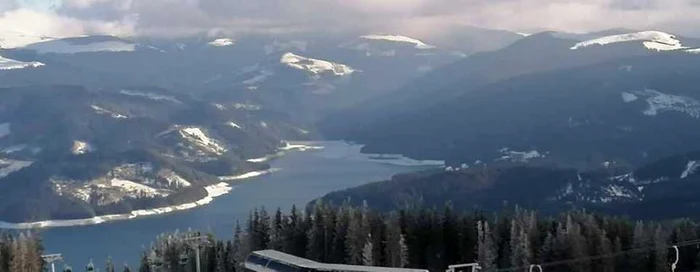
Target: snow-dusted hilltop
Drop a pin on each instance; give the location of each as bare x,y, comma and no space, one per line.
397,38
653,40
10,64
16,39
83,45
315,66
222,42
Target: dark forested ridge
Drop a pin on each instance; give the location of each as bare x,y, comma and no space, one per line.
664,189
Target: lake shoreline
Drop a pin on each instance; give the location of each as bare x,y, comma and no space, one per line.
213,191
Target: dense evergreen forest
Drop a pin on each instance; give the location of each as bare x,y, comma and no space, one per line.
435,238
417,238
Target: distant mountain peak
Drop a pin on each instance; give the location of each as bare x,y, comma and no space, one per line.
222,42
398,38
315,66
653,40
82,45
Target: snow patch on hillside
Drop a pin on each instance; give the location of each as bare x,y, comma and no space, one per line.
100,110
80,147
693,51
5,129
199,138
67,47
222,42
402,39
260,77
151,96
654,40
315,66
10,64
213,191
8,167
249,175
234,125
628,97
690,169
660,102
10,39
520,156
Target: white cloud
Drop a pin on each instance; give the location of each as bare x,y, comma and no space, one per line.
177,17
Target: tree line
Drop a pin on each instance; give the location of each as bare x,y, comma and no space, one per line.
435,238
431,239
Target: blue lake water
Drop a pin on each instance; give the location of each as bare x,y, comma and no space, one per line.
304,176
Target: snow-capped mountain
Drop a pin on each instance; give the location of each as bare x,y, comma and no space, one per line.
418,44
83,45
222,42
316,66
652,40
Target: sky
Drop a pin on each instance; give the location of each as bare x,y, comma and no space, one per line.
185,17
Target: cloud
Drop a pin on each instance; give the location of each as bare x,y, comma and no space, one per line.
182,17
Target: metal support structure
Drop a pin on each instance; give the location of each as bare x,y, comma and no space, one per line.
52,259
195,243
457,267
677,259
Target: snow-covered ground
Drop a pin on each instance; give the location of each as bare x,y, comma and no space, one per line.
693,51
200,138
80,147
213,192
690,169
249,175
151,96
100,110
222,42
629,97
653,40
520,156
315,66
10,64
260,77
661,102
8,167
397,38
67,47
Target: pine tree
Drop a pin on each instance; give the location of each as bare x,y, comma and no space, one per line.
355,240
145,263
660,244
342,223
220,257
317,235
520,246
368,252
126,268
606,249
640,240
393,245
277,237
109,266
486,248
403,252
